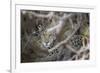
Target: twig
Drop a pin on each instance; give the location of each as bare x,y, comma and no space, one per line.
71,22
28,40
84,48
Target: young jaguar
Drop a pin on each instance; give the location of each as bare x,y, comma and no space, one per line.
48,39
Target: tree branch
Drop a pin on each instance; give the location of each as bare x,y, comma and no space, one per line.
76,27
50,14
66,40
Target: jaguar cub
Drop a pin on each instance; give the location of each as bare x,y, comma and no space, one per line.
48,39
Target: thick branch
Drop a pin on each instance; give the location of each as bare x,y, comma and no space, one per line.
60,24
77,26
50,14
66,40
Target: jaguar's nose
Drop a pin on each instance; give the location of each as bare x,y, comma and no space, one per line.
48,47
